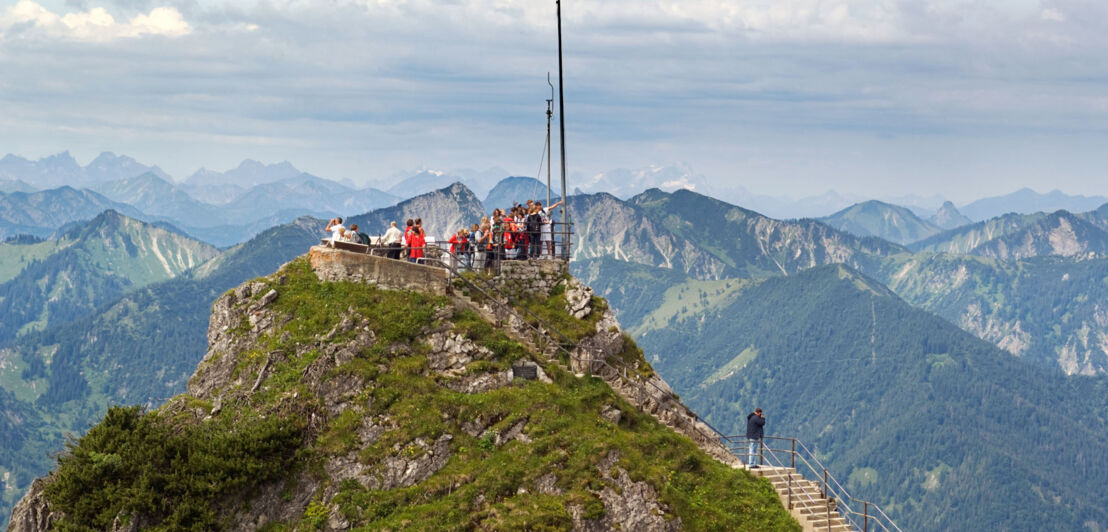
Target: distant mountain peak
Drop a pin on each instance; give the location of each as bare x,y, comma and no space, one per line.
948,217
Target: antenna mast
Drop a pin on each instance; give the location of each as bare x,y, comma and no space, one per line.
562,144
549,115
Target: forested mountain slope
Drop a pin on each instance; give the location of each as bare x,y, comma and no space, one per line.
944,430
1017,305
139,349
90,265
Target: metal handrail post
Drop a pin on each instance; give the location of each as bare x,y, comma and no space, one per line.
792,454
789,483
865,516
823,491
761,452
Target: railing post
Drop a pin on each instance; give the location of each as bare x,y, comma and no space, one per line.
792,454
761,452
865,516
789,483
823,490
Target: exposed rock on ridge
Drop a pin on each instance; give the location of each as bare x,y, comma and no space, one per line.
407,399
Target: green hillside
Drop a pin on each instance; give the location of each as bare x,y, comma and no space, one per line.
939,427
358,430
91,264
1046,310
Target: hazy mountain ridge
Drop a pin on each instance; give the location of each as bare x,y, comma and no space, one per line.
513,190
752,244
44,212
443,212
948,217
1026,201
63,170
890,222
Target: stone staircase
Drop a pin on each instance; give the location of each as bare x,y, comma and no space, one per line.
815,512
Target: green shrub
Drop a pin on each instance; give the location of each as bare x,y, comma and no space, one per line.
135,466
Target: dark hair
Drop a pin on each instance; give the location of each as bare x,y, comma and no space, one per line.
419,222
410,222
339,219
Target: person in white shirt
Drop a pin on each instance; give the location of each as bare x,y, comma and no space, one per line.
548,227
392,239
336,228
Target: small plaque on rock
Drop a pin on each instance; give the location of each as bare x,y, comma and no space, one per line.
525,372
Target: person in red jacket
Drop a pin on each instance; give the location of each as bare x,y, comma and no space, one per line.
416,241
457,246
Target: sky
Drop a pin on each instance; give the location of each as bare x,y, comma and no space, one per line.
785,97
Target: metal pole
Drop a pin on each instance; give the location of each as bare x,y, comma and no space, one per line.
792,454
790,487
865,516
549,148
824,482
562,129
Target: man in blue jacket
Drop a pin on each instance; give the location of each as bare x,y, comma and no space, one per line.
755,422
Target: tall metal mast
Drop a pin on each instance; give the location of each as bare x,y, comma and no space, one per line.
562,128
549,151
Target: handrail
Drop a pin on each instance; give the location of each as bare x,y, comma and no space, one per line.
830,486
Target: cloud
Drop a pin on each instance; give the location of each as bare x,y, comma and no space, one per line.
778,90
93,25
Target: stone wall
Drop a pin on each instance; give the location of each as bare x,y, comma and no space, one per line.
338,265
536,277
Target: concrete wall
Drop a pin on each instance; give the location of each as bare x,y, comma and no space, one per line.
338,265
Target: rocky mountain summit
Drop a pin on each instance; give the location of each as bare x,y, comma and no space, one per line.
357,402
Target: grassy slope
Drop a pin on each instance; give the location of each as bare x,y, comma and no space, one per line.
14,258
567,435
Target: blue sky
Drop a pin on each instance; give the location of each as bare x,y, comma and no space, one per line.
786,97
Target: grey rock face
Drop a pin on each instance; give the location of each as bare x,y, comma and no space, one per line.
32,513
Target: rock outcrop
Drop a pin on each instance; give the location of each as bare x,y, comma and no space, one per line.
415,410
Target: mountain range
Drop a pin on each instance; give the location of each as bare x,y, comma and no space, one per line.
952,429
706,271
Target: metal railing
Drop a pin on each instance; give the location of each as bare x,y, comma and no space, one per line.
860,514
505,246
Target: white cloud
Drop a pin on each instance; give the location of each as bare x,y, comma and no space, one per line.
94,25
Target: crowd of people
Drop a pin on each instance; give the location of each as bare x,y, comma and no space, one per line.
522,232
